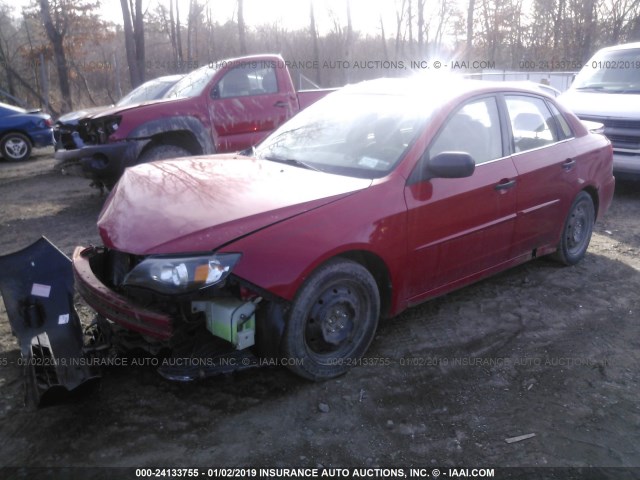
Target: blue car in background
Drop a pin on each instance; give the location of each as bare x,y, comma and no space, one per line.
21,130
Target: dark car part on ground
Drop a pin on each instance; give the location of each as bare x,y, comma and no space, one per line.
21,130
37,289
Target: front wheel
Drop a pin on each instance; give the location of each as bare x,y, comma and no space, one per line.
16,147
577,230
162,152
332,320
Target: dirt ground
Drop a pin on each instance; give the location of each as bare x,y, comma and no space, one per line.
541,349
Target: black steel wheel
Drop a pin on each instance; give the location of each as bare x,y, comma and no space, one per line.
332,320
577,230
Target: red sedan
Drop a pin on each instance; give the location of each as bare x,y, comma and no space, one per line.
380,196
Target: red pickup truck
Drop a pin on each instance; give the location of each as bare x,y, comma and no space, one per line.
225,106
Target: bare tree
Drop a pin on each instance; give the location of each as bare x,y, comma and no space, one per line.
618,15
385,51
314,39
399,25
348,43
134,40
241,28
421,27
56,28
178,33
469,41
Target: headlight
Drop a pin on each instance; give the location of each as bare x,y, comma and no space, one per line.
181,274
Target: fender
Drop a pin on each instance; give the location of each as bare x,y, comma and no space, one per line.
174,124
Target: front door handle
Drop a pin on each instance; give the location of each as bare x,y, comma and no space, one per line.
280,104
505,185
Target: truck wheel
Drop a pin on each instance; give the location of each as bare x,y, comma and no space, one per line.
332,320
576,233
15,146
163,152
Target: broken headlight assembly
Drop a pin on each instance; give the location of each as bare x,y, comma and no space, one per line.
176,275
98,131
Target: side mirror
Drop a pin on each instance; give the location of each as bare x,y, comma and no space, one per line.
449,165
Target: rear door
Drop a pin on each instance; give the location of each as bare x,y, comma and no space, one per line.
460,228
544,157
246,104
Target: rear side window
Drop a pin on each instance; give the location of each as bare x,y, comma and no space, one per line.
473,129
531,123
563,126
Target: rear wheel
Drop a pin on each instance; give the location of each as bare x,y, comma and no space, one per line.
577,230
16,147
332,321
162,152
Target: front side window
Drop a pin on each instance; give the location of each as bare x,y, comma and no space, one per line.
247,79
531,123
473,129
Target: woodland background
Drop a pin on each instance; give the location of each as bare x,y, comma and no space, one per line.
60,55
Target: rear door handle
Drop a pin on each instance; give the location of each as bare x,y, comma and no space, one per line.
505,185
568,164
280,104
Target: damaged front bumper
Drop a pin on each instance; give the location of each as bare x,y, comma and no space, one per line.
206,334
115,307
202,336
37,288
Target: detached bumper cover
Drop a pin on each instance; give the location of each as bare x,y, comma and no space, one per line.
110,304
37,288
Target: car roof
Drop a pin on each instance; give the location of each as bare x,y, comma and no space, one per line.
166,79
439,88
623,46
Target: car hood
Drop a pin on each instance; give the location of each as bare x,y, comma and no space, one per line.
120,109
198,204
72,118
601,104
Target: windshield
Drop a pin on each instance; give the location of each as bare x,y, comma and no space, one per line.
193,84
360,135
611,72
151,90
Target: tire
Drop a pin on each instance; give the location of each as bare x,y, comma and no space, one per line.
15,147
577,230
332,320
162,152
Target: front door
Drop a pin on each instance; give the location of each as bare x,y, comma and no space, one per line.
245,106
459,228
